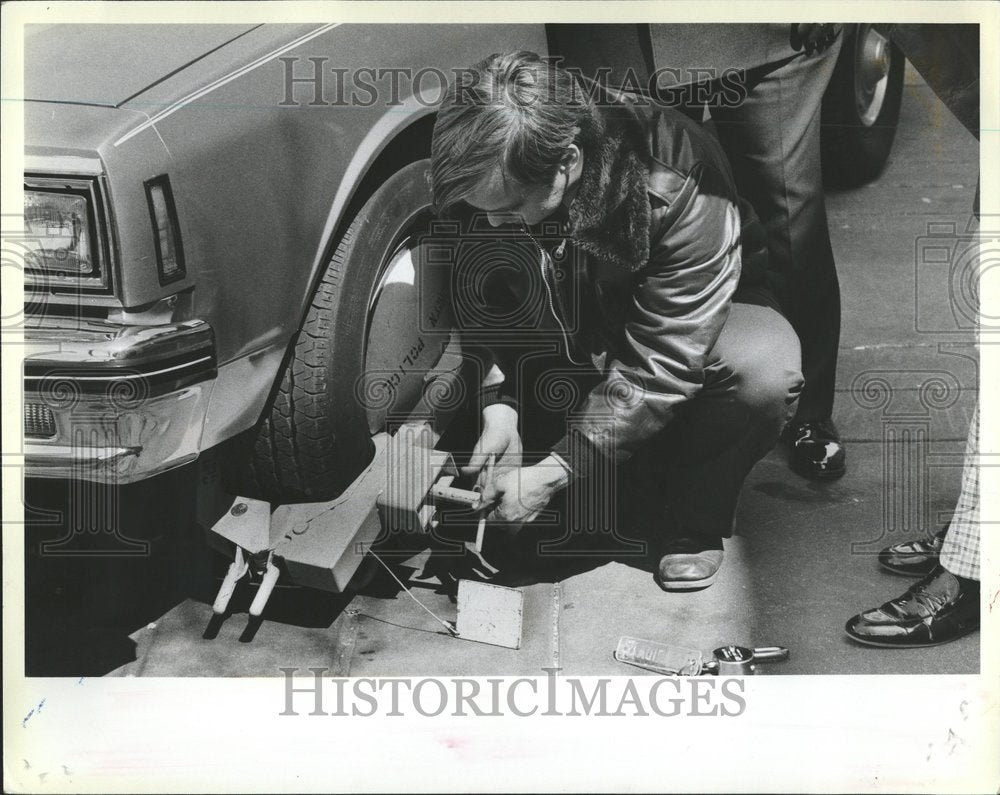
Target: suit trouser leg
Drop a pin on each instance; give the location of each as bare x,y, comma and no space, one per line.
772,140
700,461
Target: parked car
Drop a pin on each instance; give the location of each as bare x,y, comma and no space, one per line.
218,227
210,236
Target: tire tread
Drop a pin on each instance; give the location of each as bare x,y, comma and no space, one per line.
298,455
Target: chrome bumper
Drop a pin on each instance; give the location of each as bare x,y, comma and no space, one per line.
115,403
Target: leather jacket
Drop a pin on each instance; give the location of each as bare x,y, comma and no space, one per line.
638,275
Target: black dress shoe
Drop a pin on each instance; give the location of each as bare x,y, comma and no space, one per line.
939,608
915,558
689,563
815,449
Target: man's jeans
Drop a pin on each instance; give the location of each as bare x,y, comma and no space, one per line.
701,459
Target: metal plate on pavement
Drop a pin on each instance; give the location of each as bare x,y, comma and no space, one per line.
489,613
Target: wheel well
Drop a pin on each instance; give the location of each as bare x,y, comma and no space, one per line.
410,145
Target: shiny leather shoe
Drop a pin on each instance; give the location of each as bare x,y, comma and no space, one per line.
915,558
689,563
815,449
939,608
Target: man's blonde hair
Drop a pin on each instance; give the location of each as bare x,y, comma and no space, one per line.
512,110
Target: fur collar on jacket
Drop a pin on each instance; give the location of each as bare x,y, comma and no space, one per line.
610,215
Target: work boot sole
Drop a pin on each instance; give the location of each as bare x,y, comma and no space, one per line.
685,585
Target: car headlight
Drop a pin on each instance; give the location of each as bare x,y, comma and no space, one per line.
63,245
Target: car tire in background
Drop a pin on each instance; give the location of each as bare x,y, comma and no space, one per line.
340,385
861,108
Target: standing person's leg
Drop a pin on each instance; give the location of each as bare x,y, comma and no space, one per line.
960,551
752,382
772,139
944,605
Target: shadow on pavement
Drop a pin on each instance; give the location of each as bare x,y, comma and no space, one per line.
101,562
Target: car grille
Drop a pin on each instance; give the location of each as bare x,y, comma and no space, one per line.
38,421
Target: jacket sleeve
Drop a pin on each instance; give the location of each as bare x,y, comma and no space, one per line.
678,305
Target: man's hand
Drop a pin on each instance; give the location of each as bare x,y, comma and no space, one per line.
523,493
813,36
500,438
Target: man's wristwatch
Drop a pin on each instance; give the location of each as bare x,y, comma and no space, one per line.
567,470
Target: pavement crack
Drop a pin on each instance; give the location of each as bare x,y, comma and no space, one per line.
556,612
346,641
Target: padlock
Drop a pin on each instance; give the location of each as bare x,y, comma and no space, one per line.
730,660
735,660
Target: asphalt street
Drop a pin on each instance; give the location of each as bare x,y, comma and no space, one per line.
801,563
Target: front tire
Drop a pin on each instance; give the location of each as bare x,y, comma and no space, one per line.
316,438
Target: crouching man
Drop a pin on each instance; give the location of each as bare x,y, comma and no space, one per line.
615,258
